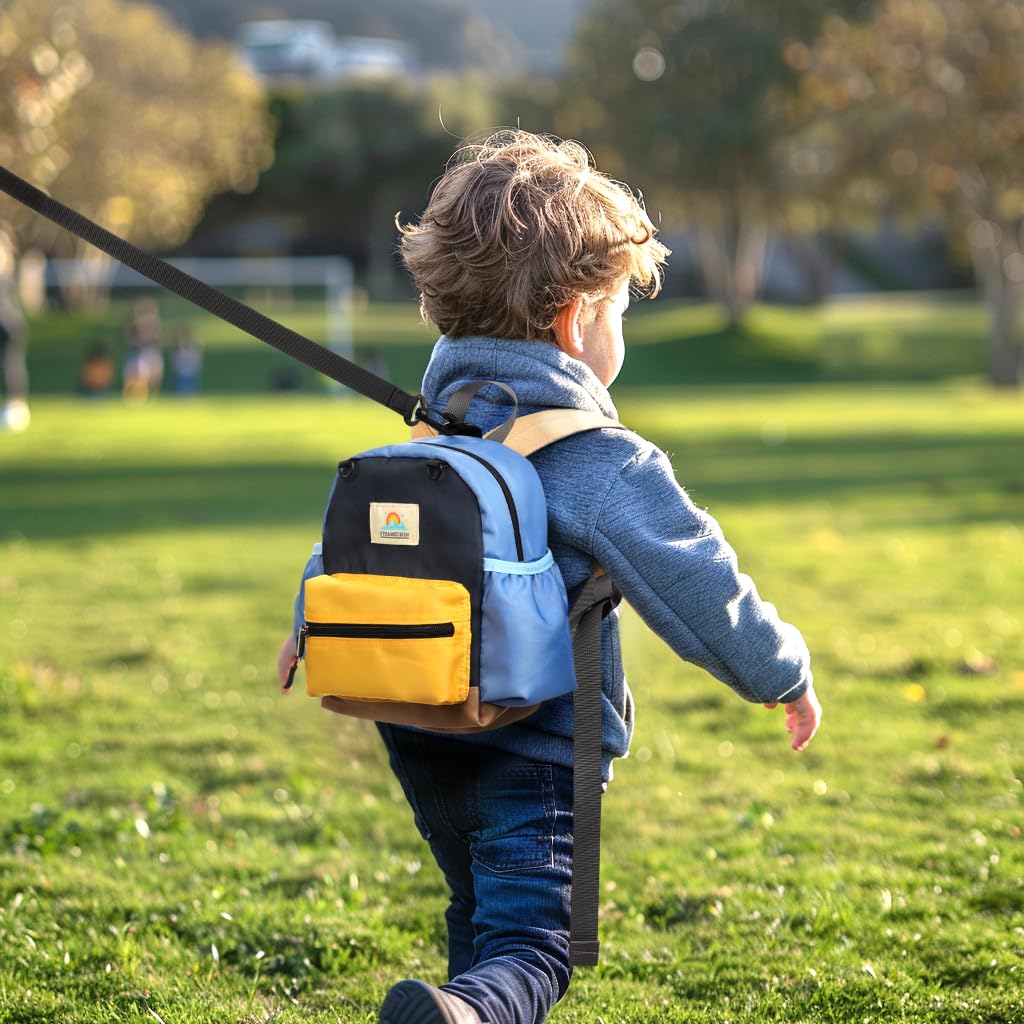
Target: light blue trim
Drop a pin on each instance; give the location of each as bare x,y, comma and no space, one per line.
318,548
539,565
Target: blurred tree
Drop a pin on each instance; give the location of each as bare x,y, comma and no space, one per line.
349,159
531,102
124,117
683,97
922,110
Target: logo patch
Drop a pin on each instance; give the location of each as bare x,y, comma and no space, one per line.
394,524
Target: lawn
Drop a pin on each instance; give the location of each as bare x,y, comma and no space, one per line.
178,842
887,338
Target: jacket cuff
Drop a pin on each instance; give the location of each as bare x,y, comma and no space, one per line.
797,690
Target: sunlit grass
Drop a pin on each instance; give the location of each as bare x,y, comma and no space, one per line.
672,343
175,837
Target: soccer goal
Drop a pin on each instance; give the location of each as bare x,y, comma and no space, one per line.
312,295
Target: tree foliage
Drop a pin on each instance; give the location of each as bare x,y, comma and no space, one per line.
123,116
349,159
684,98
922,110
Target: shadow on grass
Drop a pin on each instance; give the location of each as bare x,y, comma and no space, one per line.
674,706
719,356
680,910
962,475
963,711
786,346
97,501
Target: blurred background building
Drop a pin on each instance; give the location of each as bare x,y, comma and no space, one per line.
310,52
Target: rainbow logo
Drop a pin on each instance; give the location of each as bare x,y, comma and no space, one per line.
393,523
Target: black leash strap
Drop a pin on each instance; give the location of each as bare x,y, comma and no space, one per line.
244,317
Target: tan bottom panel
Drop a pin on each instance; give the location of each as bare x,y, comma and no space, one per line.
470,716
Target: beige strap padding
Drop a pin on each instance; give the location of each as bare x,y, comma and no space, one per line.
422,430
531,433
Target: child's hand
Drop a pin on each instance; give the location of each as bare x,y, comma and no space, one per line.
802,718
285,662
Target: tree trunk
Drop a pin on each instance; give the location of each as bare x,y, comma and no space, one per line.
382,243
815,257
1005,355
732,257
751,255
990,252
713,264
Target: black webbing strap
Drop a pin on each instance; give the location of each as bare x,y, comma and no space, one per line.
244,317
458,406
596,599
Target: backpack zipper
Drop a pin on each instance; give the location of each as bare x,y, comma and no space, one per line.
374,631
504,490
365,631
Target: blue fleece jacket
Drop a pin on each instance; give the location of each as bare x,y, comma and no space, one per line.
612,497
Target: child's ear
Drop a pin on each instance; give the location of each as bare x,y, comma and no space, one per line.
568,328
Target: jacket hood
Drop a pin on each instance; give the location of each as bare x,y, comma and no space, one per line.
540,373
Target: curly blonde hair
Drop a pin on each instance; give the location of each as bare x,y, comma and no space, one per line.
517,228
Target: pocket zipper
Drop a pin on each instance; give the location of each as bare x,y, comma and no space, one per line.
372,631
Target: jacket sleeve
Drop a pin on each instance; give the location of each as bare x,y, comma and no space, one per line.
673,565
314,567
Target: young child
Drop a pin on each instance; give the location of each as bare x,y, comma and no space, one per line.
525,259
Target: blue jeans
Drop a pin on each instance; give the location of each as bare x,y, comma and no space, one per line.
500,828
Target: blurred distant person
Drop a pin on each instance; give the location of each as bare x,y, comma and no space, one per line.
144,363
32,281
14,415
97,372
186,363
284,378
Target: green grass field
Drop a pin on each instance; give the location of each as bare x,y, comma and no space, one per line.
178,842
893,338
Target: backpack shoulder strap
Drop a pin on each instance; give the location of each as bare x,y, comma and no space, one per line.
531,433
422,429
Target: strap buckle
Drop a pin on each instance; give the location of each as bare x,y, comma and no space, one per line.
442,422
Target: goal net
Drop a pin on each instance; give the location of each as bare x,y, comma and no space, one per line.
312,295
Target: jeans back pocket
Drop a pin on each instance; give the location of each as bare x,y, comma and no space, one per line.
517,817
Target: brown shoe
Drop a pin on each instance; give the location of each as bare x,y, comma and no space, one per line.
416,1002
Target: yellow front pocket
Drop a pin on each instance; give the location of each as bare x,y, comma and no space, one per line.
391,638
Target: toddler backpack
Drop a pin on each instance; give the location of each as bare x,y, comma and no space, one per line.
439,605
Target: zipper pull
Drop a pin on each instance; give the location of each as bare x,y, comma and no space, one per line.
300,650
291,676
